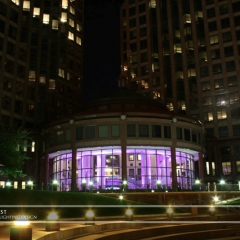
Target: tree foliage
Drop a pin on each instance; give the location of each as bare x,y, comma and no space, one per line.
12,157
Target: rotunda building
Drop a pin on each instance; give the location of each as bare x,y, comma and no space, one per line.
121,140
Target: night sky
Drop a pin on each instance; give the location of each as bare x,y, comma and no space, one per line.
101,59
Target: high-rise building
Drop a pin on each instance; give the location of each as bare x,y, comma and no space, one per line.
40,62
186,53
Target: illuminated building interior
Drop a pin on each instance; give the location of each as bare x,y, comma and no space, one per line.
146,168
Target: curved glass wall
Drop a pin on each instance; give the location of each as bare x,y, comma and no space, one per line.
101,168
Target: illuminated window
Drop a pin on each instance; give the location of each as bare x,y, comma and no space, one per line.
31,76
16,2
65,4
23,185
207,168
152,3
213,169
125,68
234,97
156,95
61,72
222,114
177,48
70,35
71,22
214,39
78,40
15,184
218,83
72,10
226,168
26,5
42,80
192,72
131,157
208,116
187,18
64,17
46,18
68,76
51,84
78,27
33,147
36,12
55,24
220,100
170,106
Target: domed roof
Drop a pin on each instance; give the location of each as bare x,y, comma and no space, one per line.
126,96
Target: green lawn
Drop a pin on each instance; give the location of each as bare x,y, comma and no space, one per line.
50,198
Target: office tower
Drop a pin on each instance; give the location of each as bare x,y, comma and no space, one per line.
41,60
40,63
187,54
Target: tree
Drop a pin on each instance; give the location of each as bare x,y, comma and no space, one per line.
12,157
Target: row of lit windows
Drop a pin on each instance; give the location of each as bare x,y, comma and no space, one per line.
221,99
114,131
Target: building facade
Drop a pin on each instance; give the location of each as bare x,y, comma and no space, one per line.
186,53
123,138
40,64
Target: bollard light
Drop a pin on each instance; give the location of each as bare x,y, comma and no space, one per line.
21,229
124,185
52,224
212,210
91,186
129,215
170,213
89,217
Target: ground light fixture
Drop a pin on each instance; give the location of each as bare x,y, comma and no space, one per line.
197,181
21,229
30,184
215,198
222,181
8,184
121,197
170,212
124,185
89,217
51,223
212,210
129,215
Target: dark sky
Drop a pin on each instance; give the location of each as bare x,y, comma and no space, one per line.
101,63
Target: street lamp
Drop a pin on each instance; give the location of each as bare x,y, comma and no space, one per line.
30,184
84,185
91,186
8,184
121,197
222,183
54,185
158,185
197,184
124,185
